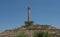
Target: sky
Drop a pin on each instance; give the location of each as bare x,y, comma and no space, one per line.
13,13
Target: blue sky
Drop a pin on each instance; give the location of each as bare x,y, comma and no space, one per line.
13,13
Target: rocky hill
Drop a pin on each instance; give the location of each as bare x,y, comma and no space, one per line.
31,30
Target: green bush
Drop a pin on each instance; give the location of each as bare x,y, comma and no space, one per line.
42,34
46,34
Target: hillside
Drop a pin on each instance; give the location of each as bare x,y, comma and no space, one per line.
30,31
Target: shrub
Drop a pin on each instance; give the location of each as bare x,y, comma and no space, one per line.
42,34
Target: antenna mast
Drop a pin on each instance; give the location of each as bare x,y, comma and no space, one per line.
28,13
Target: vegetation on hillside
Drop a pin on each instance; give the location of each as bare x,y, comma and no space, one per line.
42,34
